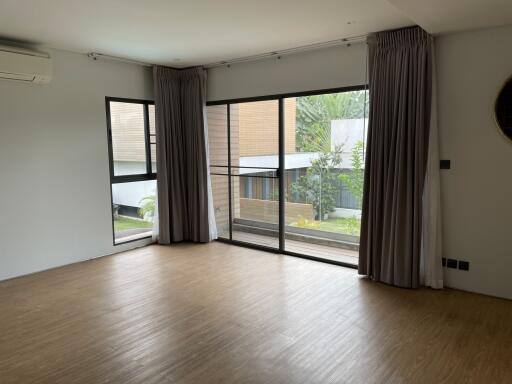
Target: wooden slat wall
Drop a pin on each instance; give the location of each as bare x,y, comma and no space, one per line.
127,123
267,211
259,127
218,148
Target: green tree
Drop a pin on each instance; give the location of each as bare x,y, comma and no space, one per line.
319,186
315,113
354,179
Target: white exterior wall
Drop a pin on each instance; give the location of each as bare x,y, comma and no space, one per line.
345,213
131,194
347,132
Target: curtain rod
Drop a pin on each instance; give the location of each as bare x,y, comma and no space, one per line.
304,48
96,56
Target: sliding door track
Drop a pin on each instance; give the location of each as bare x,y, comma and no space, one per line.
284,252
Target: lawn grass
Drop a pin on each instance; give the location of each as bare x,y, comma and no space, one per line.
345,225
123,223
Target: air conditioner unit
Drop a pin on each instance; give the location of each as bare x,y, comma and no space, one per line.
25,65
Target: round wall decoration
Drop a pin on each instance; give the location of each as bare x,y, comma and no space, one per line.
503,109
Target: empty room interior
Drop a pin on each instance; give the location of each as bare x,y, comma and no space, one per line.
256,192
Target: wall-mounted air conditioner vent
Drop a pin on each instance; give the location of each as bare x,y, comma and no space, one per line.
25,65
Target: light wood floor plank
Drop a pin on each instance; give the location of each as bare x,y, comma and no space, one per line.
217,313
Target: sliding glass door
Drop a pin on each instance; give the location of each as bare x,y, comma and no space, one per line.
324,175
244,164
255,163
287,172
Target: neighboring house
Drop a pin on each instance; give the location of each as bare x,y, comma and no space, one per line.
255,143
263,153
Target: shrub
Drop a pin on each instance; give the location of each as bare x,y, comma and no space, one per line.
319,186
147,206
354,180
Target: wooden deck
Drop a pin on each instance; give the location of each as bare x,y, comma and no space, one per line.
305,248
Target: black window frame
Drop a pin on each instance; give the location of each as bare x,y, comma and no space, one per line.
148,175
280,171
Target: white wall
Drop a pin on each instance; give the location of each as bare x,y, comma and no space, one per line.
54,191
477,191
54,185
319,69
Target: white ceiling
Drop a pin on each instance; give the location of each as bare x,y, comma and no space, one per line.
194,31
444,16
189,32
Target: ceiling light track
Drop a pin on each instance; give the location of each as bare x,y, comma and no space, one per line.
274,54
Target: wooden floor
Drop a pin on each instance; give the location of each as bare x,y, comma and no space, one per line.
218,313
306,248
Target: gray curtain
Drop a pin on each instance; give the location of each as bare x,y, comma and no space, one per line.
400,85
182,167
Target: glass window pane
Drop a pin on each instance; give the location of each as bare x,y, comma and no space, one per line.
255,135
153,158
152,136
324,174
151,112
220,192
133,209
255,191
217,116
128,138
255,205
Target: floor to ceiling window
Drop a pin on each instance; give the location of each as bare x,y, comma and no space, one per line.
255,162
132,152
288,172
324,175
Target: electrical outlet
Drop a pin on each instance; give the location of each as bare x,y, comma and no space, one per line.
451,263
464,265
444,261
445,164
